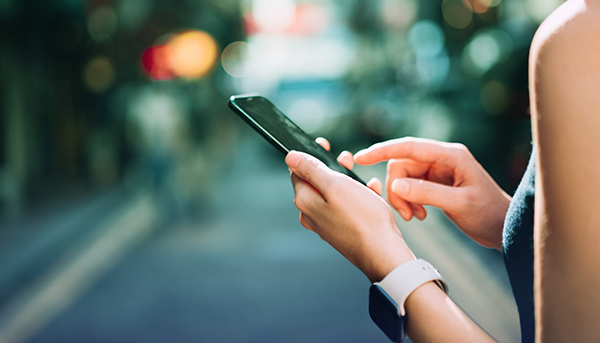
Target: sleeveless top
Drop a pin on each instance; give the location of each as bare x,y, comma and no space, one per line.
517,245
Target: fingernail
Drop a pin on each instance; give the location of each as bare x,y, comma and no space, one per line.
400,187
293,159
360,153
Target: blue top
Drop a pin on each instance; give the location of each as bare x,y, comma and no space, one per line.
517,244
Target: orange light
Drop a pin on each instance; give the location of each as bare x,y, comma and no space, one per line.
477,6
191,54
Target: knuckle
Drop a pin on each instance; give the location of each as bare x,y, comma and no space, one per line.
461,149
303,221
425,191
300,203
309,171
394,165
335,188
462,153
467,199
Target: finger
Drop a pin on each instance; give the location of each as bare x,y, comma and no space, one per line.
402,206
397,169
418,211
311,170
306,222
306,197
424,192
375,185
418,149
346,159
323,142
400,168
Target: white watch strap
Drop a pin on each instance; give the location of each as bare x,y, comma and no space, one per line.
407,277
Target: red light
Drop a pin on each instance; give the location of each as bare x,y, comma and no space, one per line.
155,63
190,55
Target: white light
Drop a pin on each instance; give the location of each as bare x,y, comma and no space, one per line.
486,50
239,59
274,15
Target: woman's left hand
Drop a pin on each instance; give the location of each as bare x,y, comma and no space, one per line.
351,217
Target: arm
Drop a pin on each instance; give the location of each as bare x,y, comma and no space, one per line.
360,225
565,104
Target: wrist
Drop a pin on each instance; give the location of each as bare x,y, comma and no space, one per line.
384,255
388,299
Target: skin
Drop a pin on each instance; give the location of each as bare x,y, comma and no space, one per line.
565,107
359,224
446,175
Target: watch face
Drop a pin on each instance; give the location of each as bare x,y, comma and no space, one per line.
384,312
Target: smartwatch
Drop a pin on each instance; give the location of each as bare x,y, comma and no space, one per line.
387,297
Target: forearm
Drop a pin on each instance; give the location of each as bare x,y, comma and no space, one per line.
433,317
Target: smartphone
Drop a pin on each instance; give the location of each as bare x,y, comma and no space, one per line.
281,131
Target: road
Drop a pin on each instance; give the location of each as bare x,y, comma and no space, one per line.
242,270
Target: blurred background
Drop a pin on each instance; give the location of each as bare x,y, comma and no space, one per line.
136,207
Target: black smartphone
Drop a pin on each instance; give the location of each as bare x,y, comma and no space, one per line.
281,131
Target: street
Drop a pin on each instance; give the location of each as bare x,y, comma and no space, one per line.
241,270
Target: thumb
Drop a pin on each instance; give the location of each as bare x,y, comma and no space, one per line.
427,193
309,169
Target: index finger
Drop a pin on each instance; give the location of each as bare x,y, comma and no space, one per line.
417,149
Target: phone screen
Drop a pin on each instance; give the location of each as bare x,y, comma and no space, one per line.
281,131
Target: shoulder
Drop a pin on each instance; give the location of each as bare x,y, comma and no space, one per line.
572,23
565,99
568,38
564,62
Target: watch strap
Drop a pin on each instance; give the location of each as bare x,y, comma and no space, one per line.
407,277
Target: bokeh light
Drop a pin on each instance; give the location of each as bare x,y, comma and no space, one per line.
477,6
154,63
540,9
273,15
456,14
102,23
398,14
239,59
310,19
99,74
426,38
485,50
191,54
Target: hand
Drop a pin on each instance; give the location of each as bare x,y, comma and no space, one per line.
445,175
346,159
354,220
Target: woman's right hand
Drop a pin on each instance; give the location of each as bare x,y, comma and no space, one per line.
445,175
